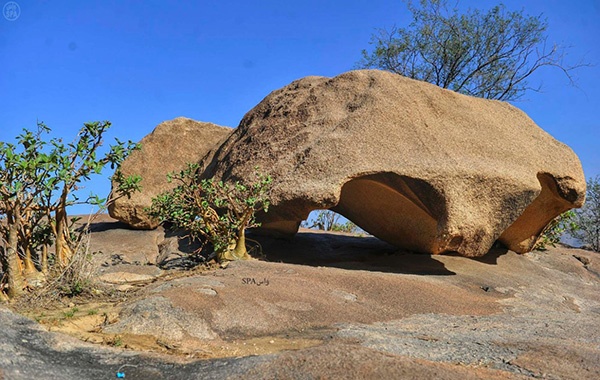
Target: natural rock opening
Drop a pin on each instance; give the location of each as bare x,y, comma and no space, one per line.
398,209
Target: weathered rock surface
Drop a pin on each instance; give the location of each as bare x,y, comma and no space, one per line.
28,351
168,148
334,306
156,316
423,168
118,249
326,297
115,243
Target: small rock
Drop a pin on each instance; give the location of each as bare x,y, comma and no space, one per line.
584,260
125,277
349,297
207,291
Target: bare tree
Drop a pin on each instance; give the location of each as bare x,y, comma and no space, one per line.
587,219
328,220
489,55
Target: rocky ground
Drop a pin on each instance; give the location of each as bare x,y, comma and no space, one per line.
320,306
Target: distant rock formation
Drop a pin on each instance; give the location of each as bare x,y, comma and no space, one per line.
421,167
168,148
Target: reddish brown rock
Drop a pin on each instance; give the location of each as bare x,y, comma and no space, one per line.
168,148
421,167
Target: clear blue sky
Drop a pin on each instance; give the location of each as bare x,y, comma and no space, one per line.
138,63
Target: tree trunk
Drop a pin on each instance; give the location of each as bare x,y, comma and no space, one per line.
24,220
238,252
240,246
63,250
28,265
14,273
44,259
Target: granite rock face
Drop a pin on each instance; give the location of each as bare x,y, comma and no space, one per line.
332,308
168,148
421,167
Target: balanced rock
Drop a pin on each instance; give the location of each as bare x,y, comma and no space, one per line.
168,148
421,167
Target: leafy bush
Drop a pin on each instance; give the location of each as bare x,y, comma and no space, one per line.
551,235
213,211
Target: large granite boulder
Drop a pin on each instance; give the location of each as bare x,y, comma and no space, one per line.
421,167
168,148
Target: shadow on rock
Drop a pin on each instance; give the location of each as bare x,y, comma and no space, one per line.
179,251
319,248
490,258
105,224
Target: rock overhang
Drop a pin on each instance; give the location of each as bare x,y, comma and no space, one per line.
421,167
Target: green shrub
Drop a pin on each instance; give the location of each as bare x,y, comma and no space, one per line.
565,222
213,211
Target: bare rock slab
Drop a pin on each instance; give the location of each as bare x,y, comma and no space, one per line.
156,316
113,242
503,316
128,274
168,148
421,167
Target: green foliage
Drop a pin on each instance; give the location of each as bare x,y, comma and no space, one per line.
485,54
551,235
213,211
587,218
117,341
75,288
39,179
70,313
328,220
